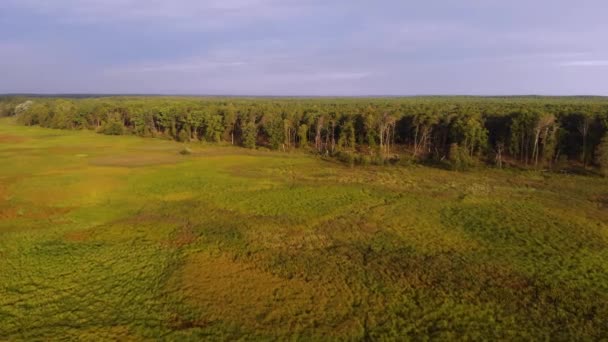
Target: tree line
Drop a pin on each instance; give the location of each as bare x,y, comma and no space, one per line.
537,132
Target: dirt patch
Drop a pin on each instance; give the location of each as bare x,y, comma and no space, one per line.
9,213
11,139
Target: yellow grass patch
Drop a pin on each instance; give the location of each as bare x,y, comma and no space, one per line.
137,159
178,196
235,292
65,187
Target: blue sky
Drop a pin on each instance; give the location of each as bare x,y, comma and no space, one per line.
304,47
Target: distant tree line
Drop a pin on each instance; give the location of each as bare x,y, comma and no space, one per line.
538,132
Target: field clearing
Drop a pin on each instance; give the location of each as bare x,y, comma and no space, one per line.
119,237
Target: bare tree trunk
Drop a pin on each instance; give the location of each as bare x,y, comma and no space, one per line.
583,128
382,138
333,137
499,147
416,142
318,134
535,150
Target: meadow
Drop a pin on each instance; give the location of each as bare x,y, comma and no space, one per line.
124,238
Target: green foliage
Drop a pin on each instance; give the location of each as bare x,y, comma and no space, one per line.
469,133
459,158
528,131
347,136
112,128
19,108
250,133
303,136
346,157
183,136
213,128
274,128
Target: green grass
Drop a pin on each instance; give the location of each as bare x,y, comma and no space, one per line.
122,238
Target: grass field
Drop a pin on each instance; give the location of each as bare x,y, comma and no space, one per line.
123,238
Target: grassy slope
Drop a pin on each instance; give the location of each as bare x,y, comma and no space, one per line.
120,237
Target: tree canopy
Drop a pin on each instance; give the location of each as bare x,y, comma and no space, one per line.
528,131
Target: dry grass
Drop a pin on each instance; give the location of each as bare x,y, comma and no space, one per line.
224,289
139,160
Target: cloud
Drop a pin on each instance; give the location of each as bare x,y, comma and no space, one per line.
186,66
585,63
302,46
180,14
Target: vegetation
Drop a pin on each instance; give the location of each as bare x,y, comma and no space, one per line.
123,238
528,132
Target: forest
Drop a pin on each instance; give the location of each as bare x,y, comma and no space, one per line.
457,132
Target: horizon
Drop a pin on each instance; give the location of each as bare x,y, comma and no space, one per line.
85,95
304,48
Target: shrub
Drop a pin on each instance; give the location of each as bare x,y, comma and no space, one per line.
362,160
393,159
185,151
406,160
377,160
459,158
113,128
346,157
183,136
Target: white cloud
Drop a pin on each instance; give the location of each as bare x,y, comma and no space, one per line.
184,14
185,66
585,63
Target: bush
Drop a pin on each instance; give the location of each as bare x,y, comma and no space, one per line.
406,160
185,151
113,128
346,157
394,159
377,160
183,136
362,160
459,158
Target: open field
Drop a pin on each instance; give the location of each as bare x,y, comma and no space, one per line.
106,238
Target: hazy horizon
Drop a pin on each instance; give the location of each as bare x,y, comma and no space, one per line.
304,48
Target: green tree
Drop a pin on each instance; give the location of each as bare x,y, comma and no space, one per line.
303,136
213,127
347,136
250,134
459,158
469,133
230,119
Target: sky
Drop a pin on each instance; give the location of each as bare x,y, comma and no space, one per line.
304,47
